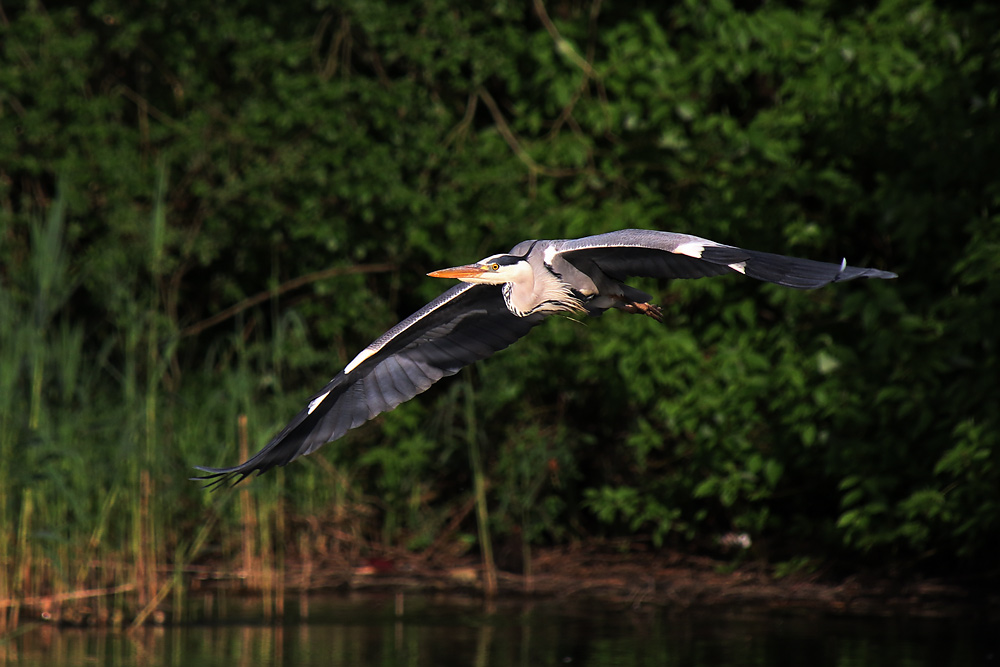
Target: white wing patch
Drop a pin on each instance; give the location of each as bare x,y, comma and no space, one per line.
740,267
313,404
549,254
691,249
364,354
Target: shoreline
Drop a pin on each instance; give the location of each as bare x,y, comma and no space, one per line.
675,583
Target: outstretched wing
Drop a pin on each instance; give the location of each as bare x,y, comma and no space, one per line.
654,254
465,324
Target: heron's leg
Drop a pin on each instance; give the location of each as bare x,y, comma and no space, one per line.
650,309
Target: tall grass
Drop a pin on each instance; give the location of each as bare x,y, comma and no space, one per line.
32,350
10,356
479,489
98,521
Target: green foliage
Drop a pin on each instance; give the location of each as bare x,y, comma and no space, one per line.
162,163
639,511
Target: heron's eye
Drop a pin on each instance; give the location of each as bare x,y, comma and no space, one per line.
494,267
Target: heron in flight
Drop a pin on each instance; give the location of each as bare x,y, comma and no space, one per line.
499,300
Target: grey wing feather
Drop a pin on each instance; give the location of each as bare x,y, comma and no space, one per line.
654,254
465,324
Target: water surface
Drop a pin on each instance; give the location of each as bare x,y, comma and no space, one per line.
359,631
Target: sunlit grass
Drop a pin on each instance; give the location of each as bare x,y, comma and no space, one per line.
98,520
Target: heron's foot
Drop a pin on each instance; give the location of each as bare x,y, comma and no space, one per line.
650,309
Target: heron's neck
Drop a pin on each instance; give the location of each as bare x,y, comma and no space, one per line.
541,292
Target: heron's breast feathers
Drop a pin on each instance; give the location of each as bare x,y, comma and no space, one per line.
547,295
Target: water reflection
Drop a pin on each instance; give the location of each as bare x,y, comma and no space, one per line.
421,630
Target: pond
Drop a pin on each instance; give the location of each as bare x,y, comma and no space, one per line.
391,629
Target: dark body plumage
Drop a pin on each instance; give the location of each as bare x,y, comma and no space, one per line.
501,299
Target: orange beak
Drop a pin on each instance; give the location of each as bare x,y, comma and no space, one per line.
460,272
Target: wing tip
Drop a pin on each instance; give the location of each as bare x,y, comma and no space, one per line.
794,272
221,478
851,272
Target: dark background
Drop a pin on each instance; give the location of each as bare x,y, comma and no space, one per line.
163,163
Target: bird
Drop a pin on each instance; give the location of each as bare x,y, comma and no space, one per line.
501,298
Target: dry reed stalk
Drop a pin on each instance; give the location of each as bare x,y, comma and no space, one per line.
279,563
248,513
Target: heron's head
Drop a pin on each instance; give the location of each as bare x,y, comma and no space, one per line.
494,270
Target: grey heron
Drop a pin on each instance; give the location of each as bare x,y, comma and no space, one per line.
498,300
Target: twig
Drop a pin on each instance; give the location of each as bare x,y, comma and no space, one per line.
327,65
147,108
563,45
512,141
463,125
252,301
193,550
45,600
450,529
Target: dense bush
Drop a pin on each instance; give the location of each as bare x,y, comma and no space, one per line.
160,163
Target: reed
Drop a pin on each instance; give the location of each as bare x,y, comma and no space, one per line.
10,354
250,555
98,434
26,338
69,517
479,489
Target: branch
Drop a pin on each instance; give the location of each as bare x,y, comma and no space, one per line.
563,45
514,144
281,289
